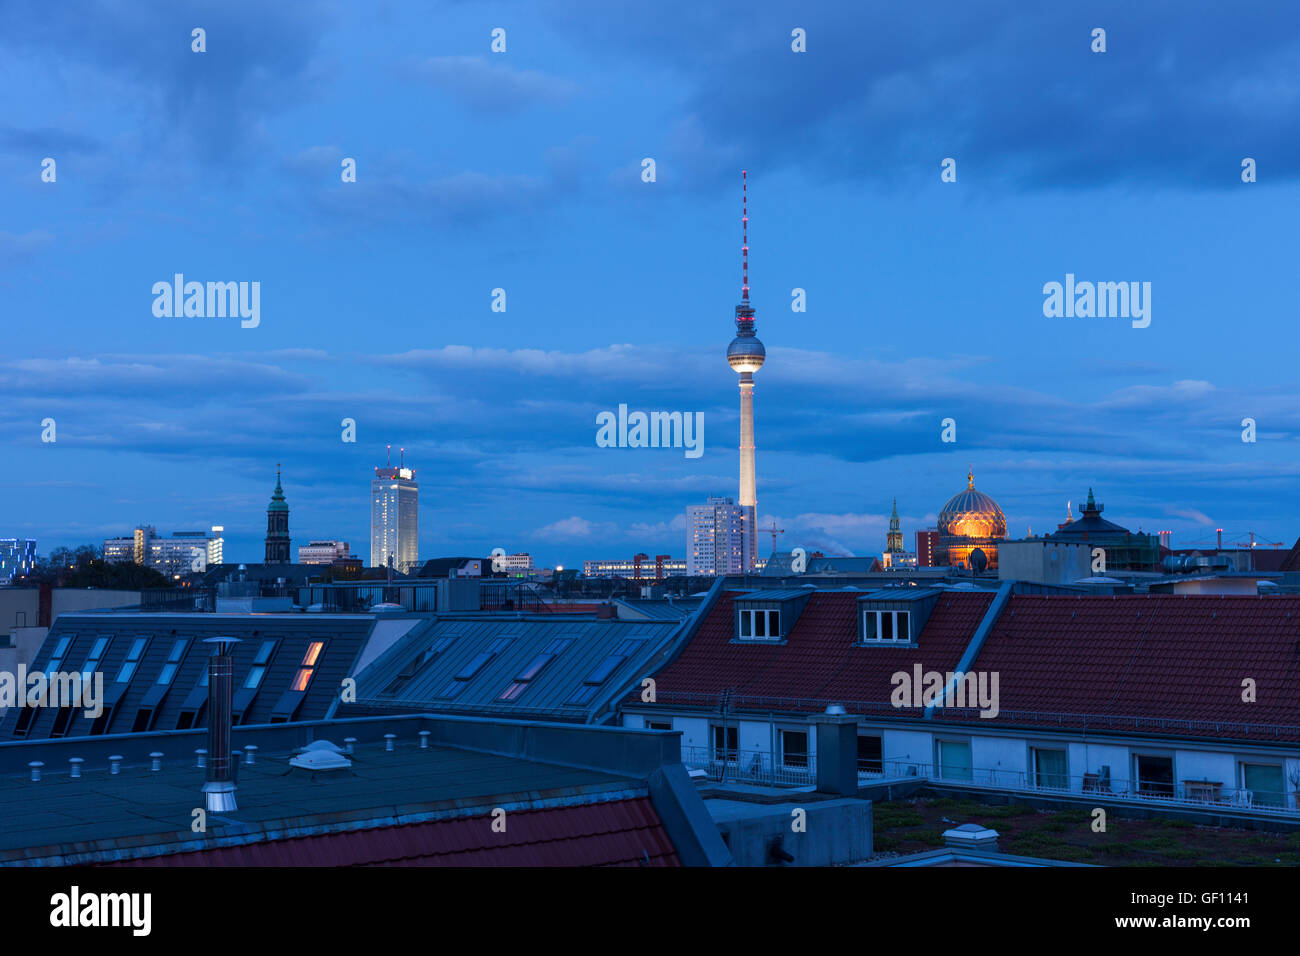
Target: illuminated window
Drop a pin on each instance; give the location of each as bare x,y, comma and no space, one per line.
303,677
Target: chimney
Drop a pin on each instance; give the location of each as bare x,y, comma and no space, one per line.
837,751
219,790
44,605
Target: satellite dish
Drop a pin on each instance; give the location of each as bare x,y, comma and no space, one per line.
979,561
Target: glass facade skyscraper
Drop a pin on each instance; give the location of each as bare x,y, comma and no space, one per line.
395,519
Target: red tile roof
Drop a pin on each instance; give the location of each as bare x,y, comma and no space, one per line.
1162,658
614,833
819,660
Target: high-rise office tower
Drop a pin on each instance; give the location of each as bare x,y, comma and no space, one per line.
277,526
746,355
395,517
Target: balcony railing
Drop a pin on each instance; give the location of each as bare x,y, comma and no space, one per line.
752,766
758,767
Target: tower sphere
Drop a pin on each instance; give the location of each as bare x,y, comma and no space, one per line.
746,354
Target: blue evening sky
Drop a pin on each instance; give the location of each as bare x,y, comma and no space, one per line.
522,171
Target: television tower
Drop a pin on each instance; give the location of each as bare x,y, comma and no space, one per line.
745,355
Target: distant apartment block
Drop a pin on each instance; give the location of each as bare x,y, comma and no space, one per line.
17,556
639,568
898,559
183,553
520,561
323,552
719,538
926,542
394,519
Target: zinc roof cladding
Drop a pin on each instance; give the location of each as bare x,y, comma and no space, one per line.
625,832
102,814
550,690
1159,658
820,658
344,639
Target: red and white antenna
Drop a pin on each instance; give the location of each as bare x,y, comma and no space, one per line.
744,232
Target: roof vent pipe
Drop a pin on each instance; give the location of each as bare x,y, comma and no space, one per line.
200,756
36,766
250,751
219,790
115,763
75,766
155,761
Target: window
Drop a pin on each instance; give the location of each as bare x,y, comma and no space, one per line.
96,655
127,670
881,626
760,625
476,664
1155,775
533,668
659,725
308,665
1264,781
954,759
1049,769
726,743
794,748
869,754
60,652
416,664
168,672
260,664
602,672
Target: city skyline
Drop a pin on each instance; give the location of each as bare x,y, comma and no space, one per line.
924,298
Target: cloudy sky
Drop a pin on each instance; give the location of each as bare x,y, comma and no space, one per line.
522,171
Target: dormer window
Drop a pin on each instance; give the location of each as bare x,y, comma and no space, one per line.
760,625
886,627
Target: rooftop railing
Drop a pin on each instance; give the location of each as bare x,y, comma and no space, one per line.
1040,718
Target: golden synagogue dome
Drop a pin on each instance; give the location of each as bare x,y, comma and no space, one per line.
970,520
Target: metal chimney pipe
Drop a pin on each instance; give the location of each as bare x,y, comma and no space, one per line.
219,790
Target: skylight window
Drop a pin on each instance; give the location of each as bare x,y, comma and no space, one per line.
591,683
307,667
168,672
260,664
533,668
476,664
416,664
127,670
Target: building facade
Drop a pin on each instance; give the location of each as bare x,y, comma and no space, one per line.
17,556
719,538
323,552
639,568
184,552
395,519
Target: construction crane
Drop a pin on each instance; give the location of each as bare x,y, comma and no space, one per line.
1252,543
773,531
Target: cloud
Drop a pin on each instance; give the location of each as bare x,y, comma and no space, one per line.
490,85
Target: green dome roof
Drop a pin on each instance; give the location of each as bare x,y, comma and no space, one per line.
277,499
